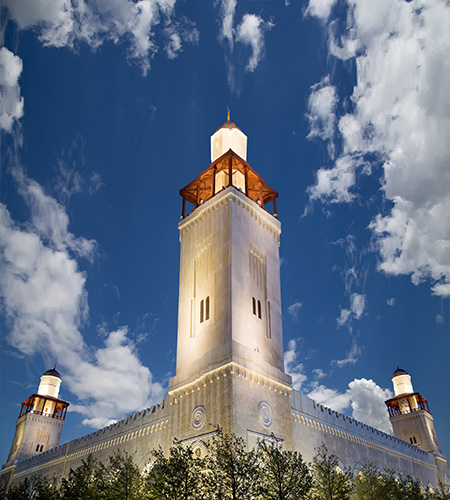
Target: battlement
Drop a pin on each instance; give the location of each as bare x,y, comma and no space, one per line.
306,411
146,421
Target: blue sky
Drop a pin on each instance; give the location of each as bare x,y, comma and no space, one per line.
106,112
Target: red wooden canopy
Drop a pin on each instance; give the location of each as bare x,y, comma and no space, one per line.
28,406
394,408
203,187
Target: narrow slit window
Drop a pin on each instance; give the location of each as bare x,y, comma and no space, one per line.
207,309
259,309
201,311
37,447
42,447
254,305
192,317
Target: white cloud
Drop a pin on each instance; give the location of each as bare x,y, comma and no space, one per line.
320,8
179,32
173,47
343,317
439,319
43,292
330,397
351,358
45,304
400,118
293,309
333,185
390,302
365,398
227,10
321,111
72,174
50,220
115,370
11,102
293,367
416,240
358,304
251,32
367,401
319,373
62,23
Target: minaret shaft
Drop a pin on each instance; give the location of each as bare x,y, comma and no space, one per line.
230,301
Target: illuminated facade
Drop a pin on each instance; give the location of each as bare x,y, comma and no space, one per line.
230,369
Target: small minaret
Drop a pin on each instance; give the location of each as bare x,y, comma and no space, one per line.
41,420
410,414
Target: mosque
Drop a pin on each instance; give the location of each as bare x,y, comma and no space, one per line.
229,367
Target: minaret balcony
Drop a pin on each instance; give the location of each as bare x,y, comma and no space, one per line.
228,170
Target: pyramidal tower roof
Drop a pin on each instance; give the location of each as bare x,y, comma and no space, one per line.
228,136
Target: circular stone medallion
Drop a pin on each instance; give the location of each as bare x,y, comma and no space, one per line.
198,418
265,414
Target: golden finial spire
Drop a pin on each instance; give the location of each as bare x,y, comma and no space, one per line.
228,114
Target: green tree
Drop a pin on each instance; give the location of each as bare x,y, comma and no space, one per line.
283,474
232,472
19,491
123,479
400,487
87,481
329,481
177,477
369,484
44,488
36,488
442,493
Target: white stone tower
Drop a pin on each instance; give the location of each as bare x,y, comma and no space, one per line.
229,319
411,418
41,420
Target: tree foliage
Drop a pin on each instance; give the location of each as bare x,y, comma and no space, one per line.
86,481
123,479
231,470
36,488
330,482
442,493
283,474
177,477
373,484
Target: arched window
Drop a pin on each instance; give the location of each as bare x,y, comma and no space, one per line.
201,311
259,309
207,309
254,305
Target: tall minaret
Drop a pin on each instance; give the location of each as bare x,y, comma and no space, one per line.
229,312
40,421
229,303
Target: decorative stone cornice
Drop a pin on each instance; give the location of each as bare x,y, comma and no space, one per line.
230,369
232,195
